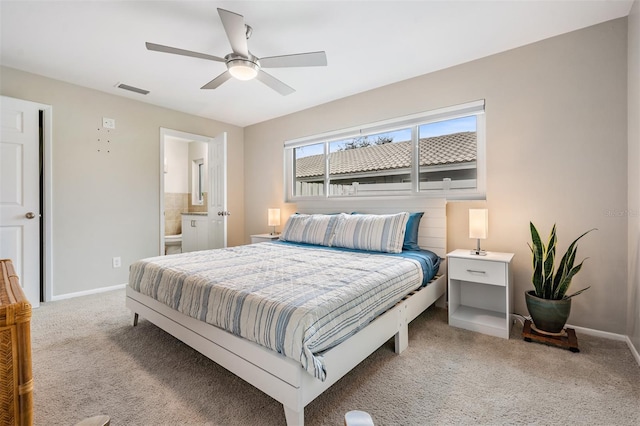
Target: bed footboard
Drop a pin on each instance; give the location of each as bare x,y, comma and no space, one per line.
277,376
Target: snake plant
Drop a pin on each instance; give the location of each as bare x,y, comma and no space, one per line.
547,285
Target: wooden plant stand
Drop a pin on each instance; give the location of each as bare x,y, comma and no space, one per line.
567,340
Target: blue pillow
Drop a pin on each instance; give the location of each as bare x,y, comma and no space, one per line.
411,233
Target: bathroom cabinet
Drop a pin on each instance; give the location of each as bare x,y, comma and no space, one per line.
195,232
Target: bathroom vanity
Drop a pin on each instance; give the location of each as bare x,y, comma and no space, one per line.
195,232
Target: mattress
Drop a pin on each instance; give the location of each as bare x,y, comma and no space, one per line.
298,300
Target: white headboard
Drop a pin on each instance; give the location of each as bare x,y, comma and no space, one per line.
432,234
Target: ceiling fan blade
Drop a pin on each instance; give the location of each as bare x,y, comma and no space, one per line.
236,31
311,59
274,83
216,82
182,52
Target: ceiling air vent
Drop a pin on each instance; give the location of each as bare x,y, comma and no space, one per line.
132,89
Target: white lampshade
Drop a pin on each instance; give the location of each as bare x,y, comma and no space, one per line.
478,223
274,217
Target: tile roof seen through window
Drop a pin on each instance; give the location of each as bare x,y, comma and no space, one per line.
439,150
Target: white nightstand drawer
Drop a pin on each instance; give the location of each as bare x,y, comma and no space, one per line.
479,271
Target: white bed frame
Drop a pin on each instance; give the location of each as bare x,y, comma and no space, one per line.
282,378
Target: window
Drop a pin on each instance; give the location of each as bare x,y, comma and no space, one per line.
439,153
448,153
375,164
309,170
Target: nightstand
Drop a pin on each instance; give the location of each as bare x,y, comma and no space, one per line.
261,238
481,292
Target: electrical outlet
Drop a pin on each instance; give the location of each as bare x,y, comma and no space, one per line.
108,123
116,262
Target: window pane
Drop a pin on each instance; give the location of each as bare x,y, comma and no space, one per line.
378,164
448,153
308,163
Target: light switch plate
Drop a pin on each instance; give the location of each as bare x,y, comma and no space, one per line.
108,123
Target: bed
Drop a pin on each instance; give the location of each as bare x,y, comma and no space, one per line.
300,351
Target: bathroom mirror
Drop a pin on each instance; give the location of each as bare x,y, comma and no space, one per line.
198,179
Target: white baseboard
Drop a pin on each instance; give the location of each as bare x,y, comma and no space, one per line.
612,336
633,350
583,330
87,292
598,333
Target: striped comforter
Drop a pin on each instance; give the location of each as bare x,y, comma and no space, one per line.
296,300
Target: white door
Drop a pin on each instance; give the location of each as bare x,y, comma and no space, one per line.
20,192
217,209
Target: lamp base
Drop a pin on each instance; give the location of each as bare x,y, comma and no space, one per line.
478,251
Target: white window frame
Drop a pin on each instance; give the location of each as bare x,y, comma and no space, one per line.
413,121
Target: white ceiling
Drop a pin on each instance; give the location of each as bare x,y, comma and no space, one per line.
369,44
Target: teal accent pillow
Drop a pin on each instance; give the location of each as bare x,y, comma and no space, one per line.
411,233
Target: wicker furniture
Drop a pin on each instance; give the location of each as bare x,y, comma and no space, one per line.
16,381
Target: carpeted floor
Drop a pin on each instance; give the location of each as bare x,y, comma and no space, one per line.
89,360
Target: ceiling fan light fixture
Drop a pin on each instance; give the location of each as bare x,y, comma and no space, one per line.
241,64
243,69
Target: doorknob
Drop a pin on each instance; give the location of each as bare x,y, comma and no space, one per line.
30,215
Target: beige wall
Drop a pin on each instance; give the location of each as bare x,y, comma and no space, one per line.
633,313
556,148
107,204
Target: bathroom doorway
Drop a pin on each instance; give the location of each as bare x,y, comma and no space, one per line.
193,190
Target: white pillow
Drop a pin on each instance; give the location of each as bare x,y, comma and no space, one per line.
371,232
309,228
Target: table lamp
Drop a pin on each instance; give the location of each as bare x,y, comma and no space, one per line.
274,219
478,228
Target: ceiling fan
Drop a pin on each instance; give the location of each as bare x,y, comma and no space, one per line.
241,64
